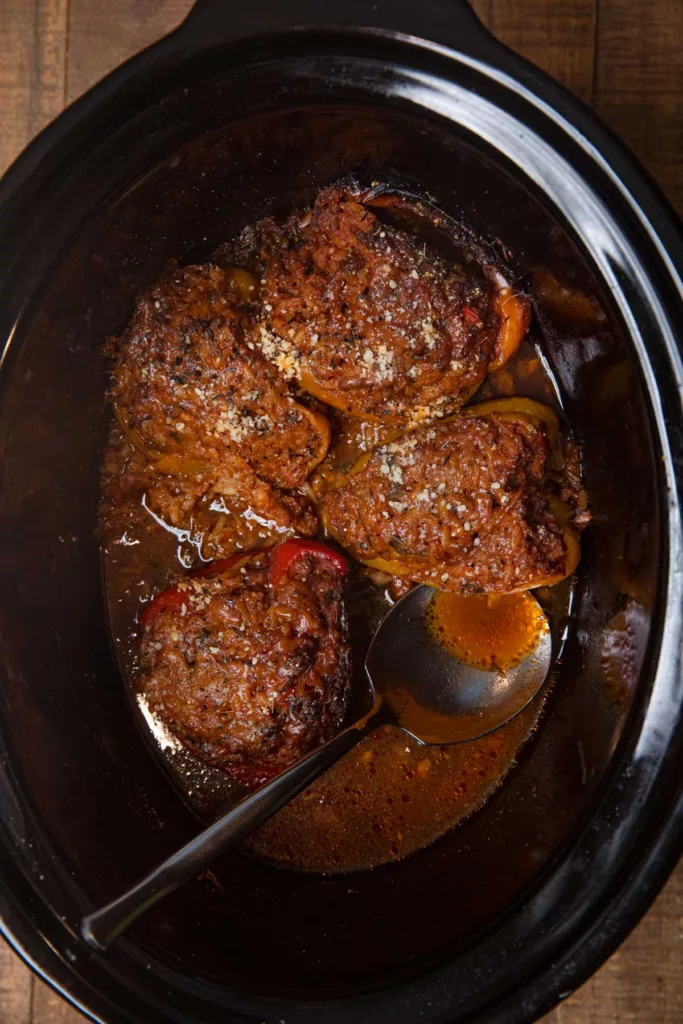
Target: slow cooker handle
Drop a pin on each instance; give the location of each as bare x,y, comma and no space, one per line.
450,23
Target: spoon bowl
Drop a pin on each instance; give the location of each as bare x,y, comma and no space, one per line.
413,683
437,698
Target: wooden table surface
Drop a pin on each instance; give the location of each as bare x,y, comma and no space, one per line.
625,58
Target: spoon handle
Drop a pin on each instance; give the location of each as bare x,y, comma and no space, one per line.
100,928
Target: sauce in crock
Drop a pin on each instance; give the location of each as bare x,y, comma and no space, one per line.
390,796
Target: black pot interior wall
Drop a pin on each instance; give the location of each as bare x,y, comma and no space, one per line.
87,775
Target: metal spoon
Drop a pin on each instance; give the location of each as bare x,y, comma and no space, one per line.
413,683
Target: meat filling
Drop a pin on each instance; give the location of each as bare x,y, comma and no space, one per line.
248,662
463,505
373,322
207,415
223,383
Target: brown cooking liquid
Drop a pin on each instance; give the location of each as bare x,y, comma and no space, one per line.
390,796
487,631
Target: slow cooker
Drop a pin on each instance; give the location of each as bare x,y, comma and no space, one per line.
241,112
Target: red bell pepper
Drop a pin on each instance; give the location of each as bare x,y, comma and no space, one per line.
288,553
173,599
471,315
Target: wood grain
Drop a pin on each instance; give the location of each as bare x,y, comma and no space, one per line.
558,36
16,988
104,33
32,70
641,983
49,1008
626,57
639,83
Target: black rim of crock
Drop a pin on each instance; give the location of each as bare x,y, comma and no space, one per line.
455,35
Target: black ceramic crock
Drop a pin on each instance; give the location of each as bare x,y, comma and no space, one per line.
246,109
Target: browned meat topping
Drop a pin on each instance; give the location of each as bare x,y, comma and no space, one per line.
460,504
205,510
224,388
208,414
250,670
370,320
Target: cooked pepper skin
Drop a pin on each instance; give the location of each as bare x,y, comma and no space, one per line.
287,555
